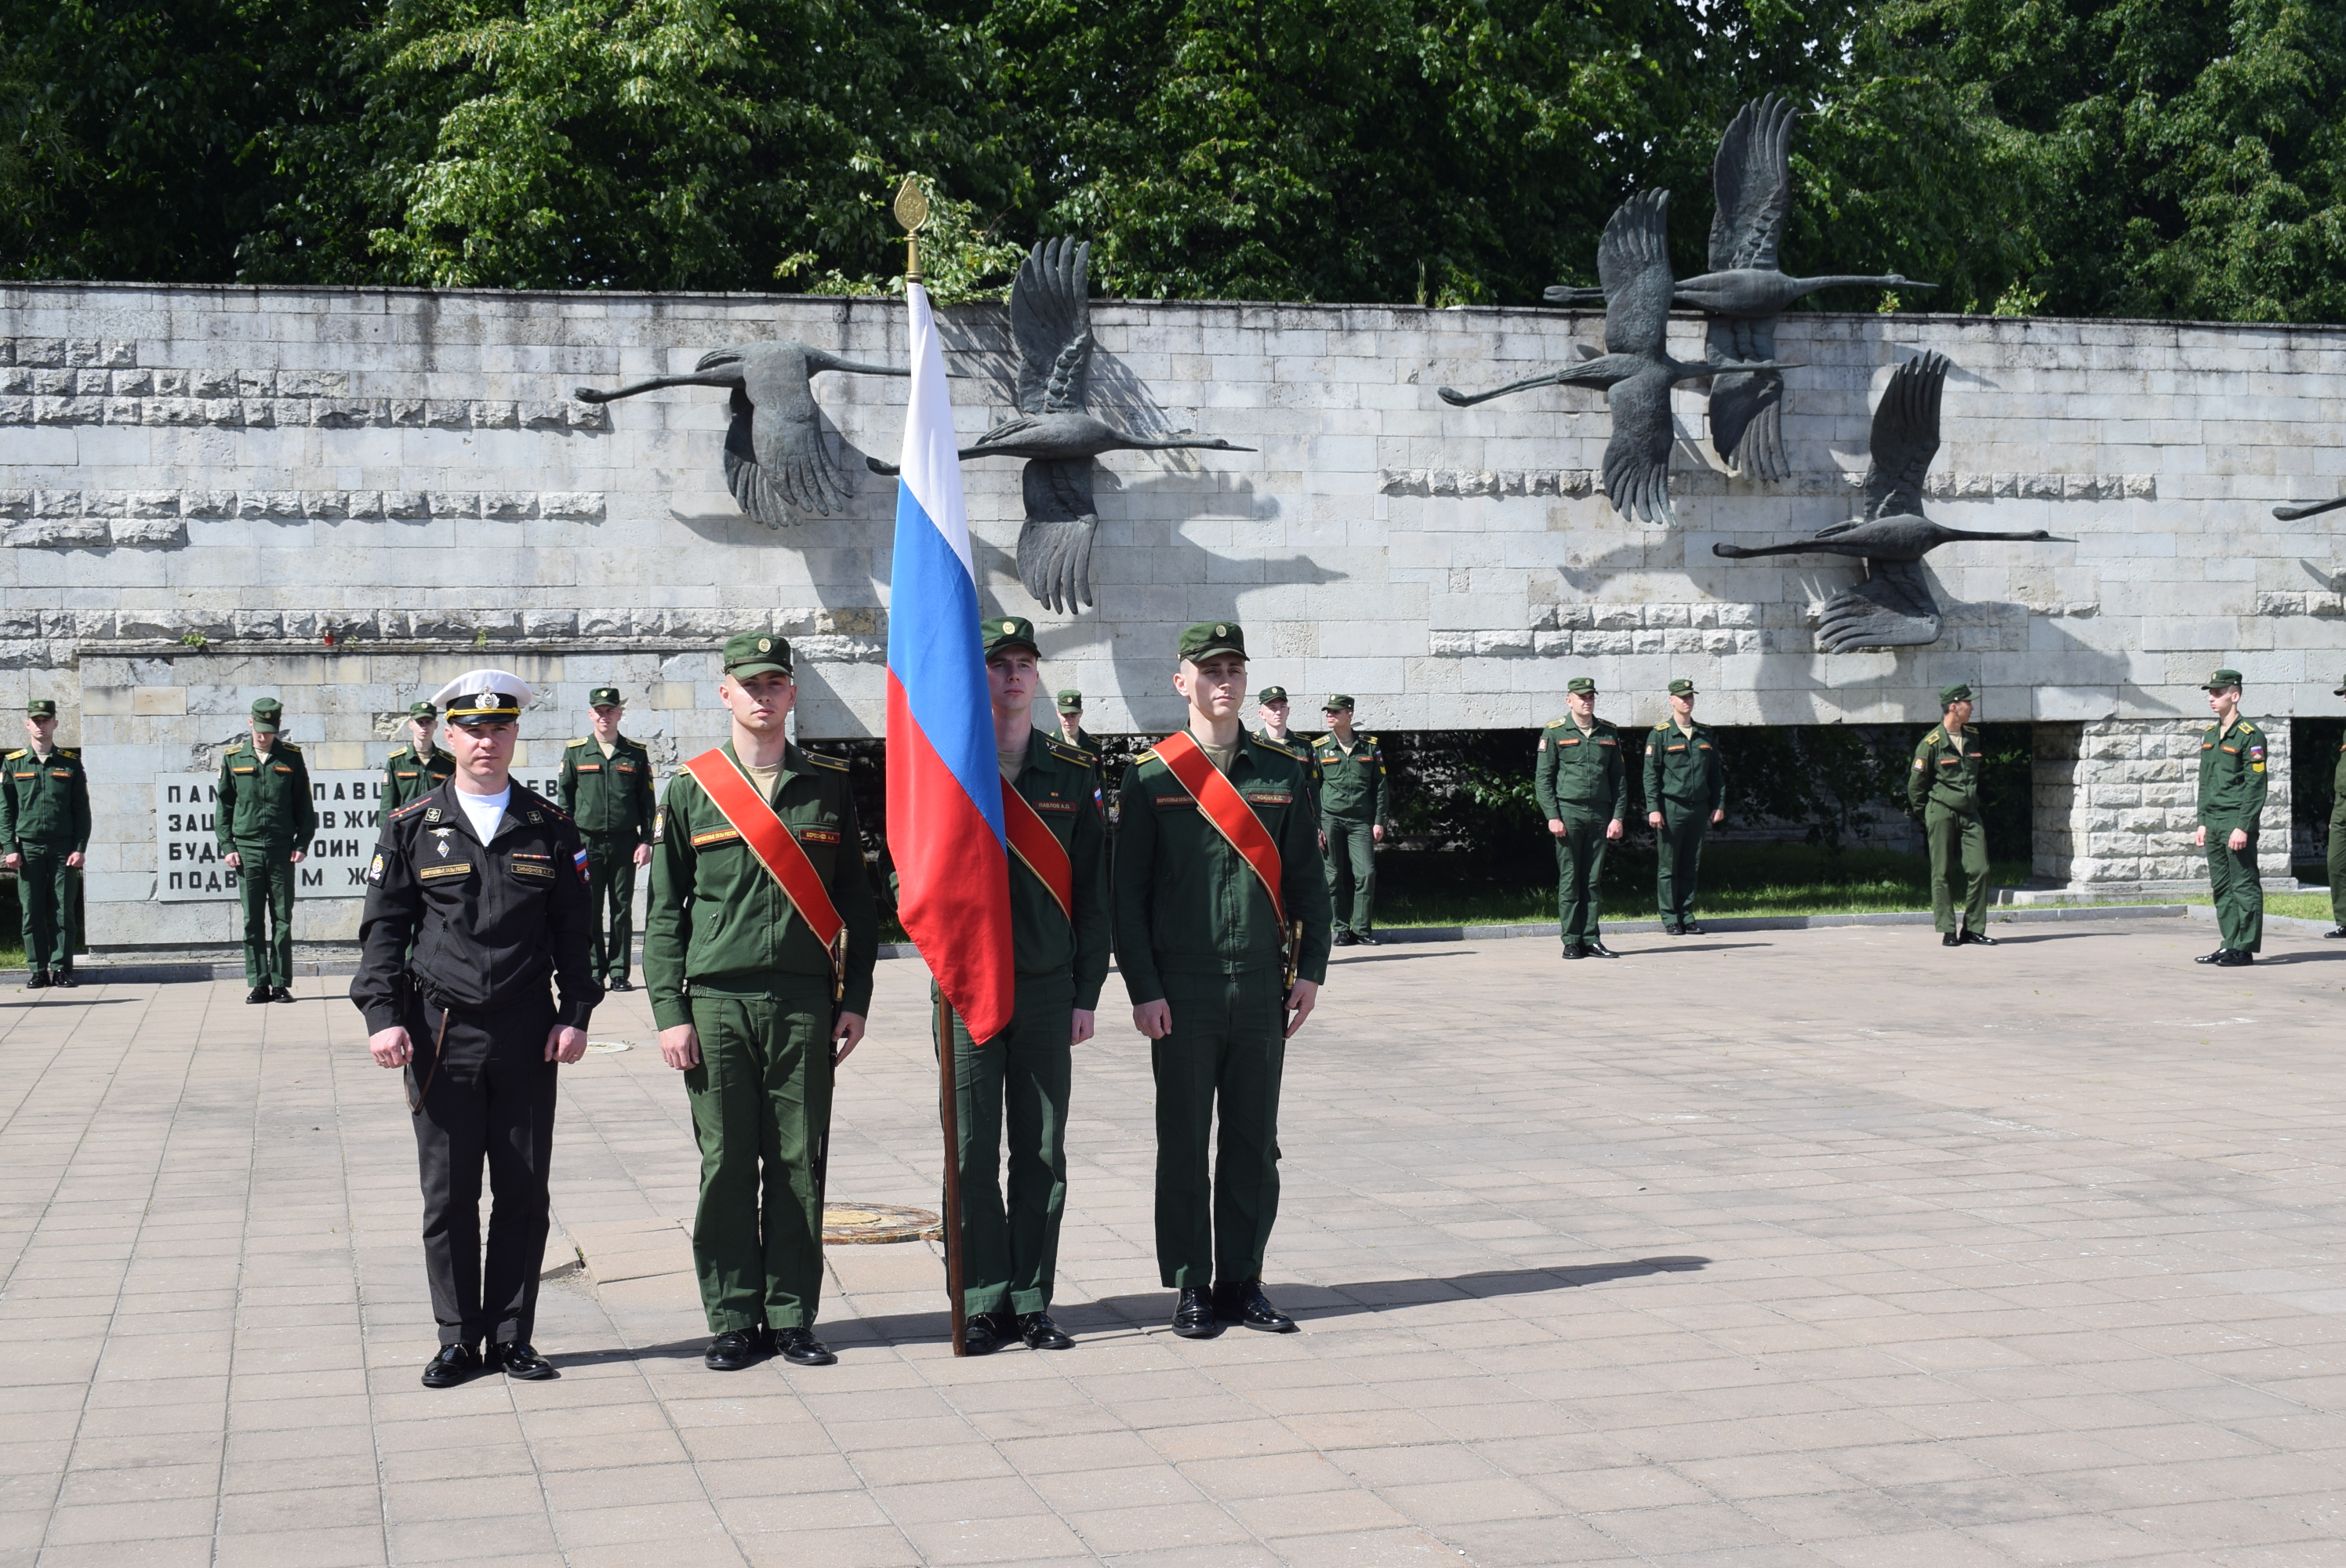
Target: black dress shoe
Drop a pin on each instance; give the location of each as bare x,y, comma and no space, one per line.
257,994
981,1335
2234,959
800,1346
2215,957
618,985
281,994
1366,938
38,980
520,1361
1976,938
1572,949
1193,1314
1692,928
731,1351
2334,935
1246,1305
1041,1334
1949,939
1346,939
1597,949
64,977
455,1364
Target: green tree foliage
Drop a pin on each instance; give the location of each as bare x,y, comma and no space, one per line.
2085,157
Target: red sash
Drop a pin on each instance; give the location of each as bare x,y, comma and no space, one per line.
1033,841
730,791
1227,809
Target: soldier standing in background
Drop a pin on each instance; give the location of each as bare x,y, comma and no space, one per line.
45,826
758,944
1942,788
1583,785
1686,795
607,788
2232,783
1071,723
2337,839
476,914
1271,708
1221,931
265,817
1354,797
415,770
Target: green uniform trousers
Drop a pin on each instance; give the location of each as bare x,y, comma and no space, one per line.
2240,891
1678,856
1958,851
760,1108
611,882
1351,873
2338,869
264,886
1010,1251
1579,863
1226,1051
46,890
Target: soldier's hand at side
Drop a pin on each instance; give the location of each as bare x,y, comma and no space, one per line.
563,1044
1377,832
1555,827
1300,1000
14,860
2199,837
1653,819
297,857
2238,841
1324,843
1084,1023
681,1046
1613,829
75,859
232,861
1154,1019
845,1036
1718,816
391,1047
643,854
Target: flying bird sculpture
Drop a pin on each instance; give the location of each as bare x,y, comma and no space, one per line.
1745,291
774,456
2291,514
1635,369
1050,321
1893,608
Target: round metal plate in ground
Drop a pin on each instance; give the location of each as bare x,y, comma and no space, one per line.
851,1223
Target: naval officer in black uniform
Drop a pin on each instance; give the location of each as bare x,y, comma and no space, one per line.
477,914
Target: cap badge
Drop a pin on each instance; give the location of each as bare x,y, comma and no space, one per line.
1222,631
765,645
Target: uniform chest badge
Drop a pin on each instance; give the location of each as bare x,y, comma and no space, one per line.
440,836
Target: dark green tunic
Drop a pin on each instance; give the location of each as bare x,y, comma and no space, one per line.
1582,782
264,812
45,817
407,777
2233,775
1685,782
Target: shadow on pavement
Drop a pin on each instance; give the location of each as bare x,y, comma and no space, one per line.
677,1350
72,1001
1697,947
1346,955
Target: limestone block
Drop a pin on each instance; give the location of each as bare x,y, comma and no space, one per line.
406,506
550,623
347,413
15,411
509,505
54,532
459,504
147,532
572,506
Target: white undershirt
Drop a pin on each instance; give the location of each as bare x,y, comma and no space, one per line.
484,811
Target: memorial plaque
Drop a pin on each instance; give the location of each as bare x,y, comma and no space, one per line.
187,864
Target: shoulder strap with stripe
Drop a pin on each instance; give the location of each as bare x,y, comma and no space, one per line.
1227,809
771,839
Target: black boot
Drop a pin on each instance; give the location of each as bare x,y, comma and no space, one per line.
1976,938
455,1364
1949,939
1246,1305
1193,1314
259,994
1041,1334
38,980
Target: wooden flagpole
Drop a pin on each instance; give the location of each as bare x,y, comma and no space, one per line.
949,1112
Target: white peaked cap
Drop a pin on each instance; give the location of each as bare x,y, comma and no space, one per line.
454,698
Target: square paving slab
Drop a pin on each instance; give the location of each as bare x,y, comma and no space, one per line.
1827,1246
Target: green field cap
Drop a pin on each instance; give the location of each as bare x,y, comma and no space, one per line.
1681,689
267,713
1271,694
421,712
1002,633
2222,678
1579,684
605,696
1071,701
41,708
1339,703
1206,638
1958,692
756,653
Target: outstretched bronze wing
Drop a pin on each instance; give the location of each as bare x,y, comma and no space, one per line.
1051,319
1892,608
1905,437
1633,264
1054,545
1747,407
1752,176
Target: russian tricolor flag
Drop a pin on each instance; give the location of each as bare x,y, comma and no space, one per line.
945,785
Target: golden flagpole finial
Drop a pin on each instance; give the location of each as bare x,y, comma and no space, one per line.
912,211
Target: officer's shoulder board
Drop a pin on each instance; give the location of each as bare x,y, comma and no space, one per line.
411,808
2245,727
836,765
18,752
1066,753
1937,738
68,752
396,754
1276,748
580,741
285,744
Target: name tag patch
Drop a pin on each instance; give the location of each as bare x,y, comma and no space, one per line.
1052,805
818,835
1268,799
538,870
454,869
714,836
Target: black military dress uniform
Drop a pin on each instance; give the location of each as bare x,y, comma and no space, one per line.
496,928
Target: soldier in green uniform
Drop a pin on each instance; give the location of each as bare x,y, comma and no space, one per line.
2231,805
1010,1249
756,1012
1686,794
1943,788
1354,797
1270,709
607,786
265,817
45,826
1583,786
1071,724
415,770
2338,841
1208,965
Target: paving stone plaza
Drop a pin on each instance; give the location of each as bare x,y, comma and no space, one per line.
1826,1246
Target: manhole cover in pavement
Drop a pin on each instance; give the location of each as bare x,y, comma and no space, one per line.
608,1046
865,1222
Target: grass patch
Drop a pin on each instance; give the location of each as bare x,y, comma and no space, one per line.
2302,906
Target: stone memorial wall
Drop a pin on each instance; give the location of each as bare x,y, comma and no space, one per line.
344,497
